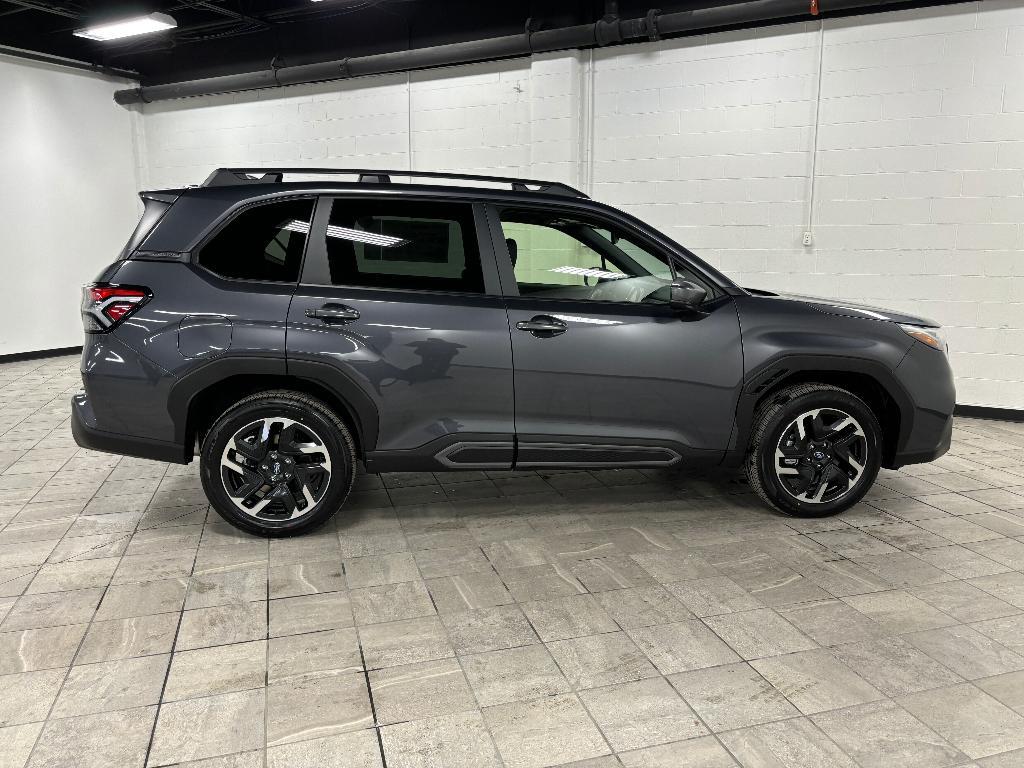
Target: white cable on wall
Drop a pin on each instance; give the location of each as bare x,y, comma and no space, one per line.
807,239
408,118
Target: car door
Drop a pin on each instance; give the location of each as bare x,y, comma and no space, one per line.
606,372
399,312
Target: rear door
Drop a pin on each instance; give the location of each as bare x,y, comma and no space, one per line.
399,311
606,372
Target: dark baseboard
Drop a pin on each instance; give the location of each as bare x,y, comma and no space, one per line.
984,412
40,355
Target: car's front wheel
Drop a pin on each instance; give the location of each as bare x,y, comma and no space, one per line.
278,464
815,450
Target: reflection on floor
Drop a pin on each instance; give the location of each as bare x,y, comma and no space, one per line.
618,618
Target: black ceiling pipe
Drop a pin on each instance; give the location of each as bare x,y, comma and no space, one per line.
607,31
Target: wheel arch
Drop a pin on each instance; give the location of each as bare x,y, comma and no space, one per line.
197,403
870,381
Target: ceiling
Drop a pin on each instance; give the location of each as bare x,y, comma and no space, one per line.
217,37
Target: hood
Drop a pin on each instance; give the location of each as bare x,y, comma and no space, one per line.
848,309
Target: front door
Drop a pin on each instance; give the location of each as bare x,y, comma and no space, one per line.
400,313
605,371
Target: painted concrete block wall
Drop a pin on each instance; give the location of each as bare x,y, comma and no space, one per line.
896,140
920,179
68,199
917,200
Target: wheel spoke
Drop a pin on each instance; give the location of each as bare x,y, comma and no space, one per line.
818,428
251,450
844,441
252,482
310,501
290,445
254,444
816,490
791,452
848,463
283,494
802,480
787,463
802,422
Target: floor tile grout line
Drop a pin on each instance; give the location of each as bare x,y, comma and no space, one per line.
266,671
369,693
167,672
476,700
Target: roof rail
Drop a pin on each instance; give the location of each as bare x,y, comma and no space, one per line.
223,177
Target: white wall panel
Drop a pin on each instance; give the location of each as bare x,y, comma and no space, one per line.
68,196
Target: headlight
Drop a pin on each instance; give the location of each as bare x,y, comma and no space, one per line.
933,337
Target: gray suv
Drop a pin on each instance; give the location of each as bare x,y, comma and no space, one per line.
291,328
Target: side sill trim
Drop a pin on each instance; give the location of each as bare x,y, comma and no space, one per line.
594,455
447,456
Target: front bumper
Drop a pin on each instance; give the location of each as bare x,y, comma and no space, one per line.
902,458
83,428
928,429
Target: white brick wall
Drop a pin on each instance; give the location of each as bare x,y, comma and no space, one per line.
918,181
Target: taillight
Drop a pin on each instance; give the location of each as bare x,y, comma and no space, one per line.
105,305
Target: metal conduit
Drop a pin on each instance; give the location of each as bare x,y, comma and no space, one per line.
608,31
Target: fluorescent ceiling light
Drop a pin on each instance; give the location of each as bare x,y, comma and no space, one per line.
355,235
359,236
139,25
587,272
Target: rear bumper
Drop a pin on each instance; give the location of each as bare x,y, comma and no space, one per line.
83,428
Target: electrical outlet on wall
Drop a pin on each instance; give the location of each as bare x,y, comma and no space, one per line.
808,240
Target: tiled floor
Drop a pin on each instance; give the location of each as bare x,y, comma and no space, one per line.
617,618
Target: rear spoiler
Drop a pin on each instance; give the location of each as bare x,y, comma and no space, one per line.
160,195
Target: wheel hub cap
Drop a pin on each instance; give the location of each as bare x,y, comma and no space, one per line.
276,468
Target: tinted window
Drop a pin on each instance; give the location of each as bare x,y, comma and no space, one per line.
261,243
403,244
560,256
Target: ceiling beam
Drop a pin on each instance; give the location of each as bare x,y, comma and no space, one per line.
44,8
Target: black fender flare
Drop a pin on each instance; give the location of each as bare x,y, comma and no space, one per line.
344,390
778,370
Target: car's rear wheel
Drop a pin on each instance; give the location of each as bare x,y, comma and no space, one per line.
815,450
278,464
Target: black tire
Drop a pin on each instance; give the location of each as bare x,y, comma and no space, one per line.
307,413
775,419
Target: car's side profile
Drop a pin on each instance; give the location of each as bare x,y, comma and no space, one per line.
292,330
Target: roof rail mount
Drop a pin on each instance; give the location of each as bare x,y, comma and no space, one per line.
223,177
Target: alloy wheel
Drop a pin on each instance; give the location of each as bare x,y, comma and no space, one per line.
821,455
275,469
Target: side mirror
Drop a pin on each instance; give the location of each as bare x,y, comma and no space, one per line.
686,295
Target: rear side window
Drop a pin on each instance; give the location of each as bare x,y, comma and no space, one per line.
411,244
264,242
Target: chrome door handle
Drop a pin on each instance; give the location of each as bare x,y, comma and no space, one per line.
334,313
543,324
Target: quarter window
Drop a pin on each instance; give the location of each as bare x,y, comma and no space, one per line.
403,244
264,242
564,256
